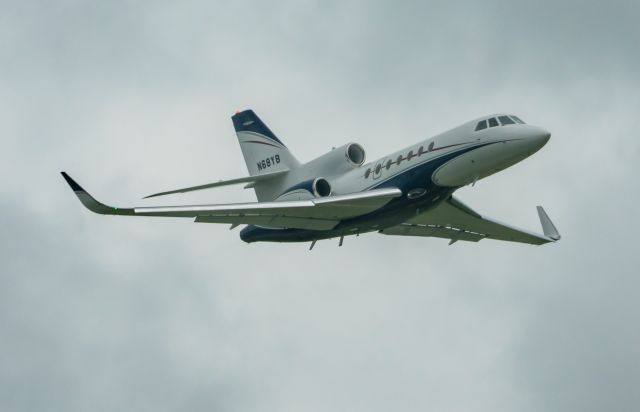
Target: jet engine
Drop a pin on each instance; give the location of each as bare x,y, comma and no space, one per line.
321,187
337,161
308,189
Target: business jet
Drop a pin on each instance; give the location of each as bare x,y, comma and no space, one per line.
407,193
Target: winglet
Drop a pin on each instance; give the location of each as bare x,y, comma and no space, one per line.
548,227
74,185
92,204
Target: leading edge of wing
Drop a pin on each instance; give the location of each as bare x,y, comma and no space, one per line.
333,208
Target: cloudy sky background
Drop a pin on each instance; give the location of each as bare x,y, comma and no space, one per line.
131,98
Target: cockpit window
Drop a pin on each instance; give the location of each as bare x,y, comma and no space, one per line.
493,122
505,120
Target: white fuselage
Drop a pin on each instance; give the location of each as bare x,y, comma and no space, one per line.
516,142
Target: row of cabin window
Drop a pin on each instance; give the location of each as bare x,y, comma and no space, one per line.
400,158
504,120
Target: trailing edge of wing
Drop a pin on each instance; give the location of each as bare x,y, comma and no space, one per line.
316,214
248,179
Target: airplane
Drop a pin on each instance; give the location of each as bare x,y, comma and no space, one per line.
406,193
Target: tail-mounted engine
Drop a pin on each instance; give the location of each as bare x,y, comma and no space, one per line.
331,165
318,187
355,154
321,187
336,162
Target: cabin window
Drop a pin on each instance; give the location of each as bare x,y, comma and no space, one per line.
493,122
399,160
389,163
410,155
430,148
367,173
378,168
420,150
505,120
481,125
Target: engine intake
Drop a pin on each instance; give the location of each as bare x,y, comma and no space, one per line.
321,187
336,162
355,154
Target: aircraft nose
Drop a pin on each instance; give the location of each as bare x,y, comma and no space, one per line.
544,136
539,137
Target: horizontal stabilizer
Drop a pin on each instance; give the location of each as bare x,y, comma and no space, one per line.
249,179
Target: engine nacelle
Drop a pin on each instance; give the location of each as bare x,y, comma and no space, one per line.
309,189
321,187
337,161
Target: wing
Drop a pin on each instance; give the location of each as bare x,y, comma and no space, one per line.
315,214
454,220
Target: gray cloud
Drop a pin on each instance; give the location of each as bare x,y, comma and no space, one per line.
106,313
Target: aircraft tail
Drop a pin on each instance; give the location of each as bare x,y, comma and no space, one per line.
263,153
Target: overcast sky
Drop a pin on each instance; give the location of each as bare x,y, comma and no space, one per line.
134,97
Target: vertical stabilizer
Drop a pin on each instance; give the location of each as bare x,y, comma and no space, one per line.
263,152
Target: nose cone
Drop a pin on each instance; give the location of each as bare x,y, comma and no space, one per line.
537,137
543,137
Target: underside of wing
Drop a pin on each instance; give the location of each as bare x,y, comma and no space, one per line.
453,220
314,214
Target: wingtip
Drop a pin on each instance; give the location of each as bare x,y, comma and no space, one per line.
72,183
548,227
92,204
